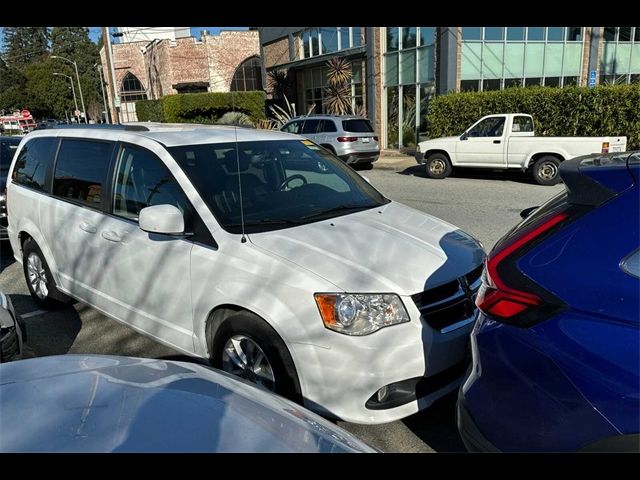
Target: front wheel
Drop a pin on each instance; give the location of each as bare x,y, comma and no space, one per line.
438,166
247,347
546,170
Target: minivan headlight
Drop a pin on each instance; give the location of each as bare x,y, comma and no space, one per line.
360,314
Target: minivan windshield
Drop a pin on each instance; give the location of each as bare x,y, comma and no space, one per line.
284,183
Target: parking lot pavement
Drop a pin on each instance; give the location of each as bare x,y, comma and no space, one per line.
485,204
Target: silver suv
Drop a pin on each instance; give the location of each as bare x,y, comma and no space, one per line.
350,138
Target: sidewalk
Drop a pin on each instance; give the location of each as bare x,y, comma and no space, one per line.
394,160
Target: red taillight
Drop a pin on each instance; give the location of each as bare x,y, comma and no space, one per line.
605,147
496,297
347,139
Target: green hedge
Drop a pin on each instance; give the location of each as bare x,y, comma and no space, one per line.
149,111
571,111
209,107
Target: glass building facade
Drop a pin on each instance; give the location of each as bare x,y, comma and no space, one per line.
620,60
494,58
409,83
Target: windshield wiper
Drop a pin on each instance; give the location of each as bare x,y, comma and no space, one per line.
266,221
337,208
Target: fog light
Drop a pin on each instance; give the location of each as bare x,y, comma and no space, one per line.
383,393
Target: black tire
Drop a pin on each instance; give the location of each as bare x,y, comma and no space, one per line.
249,325
53,299
438,166
546,170
367,166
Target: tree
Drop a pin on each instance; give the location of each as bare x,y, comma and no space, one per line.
47,95
25,45
74,43
337,93
12,88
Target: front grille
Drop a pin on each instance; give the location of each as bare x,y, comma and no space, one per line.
449,303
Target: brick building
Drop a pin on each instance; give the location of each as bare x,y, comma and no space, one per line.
150,68
397,70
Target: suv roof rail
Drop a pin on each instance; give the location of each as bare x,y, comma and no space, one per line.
98,126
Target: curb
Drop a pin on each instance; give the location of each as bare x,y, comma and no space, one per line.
396,165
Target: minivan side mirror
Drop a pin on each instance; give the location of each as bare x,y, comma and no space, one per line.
464,136
164,219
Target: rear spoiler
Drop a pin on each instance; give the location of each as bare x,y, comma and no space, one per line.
593,179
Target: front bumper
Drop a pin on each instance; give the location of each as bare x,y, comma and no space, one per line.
338,381
419,156
12,331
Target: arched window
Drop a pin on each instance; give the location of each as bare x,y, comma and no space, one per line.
248,75
132,89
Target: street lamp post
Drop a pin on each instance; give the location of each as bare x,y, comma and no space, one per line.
75,65
73,90
104,99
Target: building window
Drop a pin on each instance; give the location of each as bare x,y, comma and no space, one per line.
471,33
248,76
517,56
132,90
409,66
325,40
620,57
469,86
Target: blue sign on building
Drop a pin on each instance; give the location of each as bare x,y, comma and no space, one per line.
592,78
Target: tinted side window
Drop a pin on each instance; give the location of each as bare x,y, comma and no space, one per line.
7,150
358,125
34,161
310,126
142,180
81,171
327,126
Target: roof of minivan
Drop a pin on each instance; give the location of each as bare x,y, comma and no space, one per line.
172,135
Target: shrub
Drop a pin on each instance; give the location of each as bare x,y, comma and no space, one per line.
149,111
209,107
571,111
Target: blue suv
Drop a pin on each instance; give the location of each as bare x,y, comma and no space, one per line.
556,345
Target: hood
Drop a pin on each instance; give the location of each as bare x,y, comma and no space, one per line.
438,141
92,403
390,249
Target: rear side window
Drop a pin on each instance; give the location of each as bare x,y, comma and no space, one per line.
34,162
358,125
327,126
522,124
81,171
310,126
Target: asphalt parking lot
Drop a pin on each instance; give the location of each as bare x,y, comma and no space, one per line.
483,203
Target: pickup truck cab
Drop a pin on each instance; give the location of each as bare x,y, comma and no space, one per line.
508,141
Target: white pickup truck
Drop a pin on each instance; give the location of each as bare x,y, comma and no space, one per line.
508,141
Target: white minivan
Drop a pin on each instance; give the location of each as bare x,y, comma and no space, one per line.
257,250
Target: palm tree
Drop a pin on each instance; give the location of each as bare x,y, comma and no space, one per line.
337,93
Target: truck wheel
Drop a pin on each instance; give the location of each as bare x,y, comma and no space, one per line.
545,170
438,166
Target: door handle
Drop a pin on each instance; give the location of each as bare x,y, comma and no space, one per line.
496,141
87,227
111,236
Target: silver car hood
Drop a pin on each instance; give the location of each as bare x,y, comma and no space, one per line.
92,403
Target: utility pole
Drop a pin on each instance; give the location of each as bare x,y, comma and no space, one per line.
112,83
104,98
